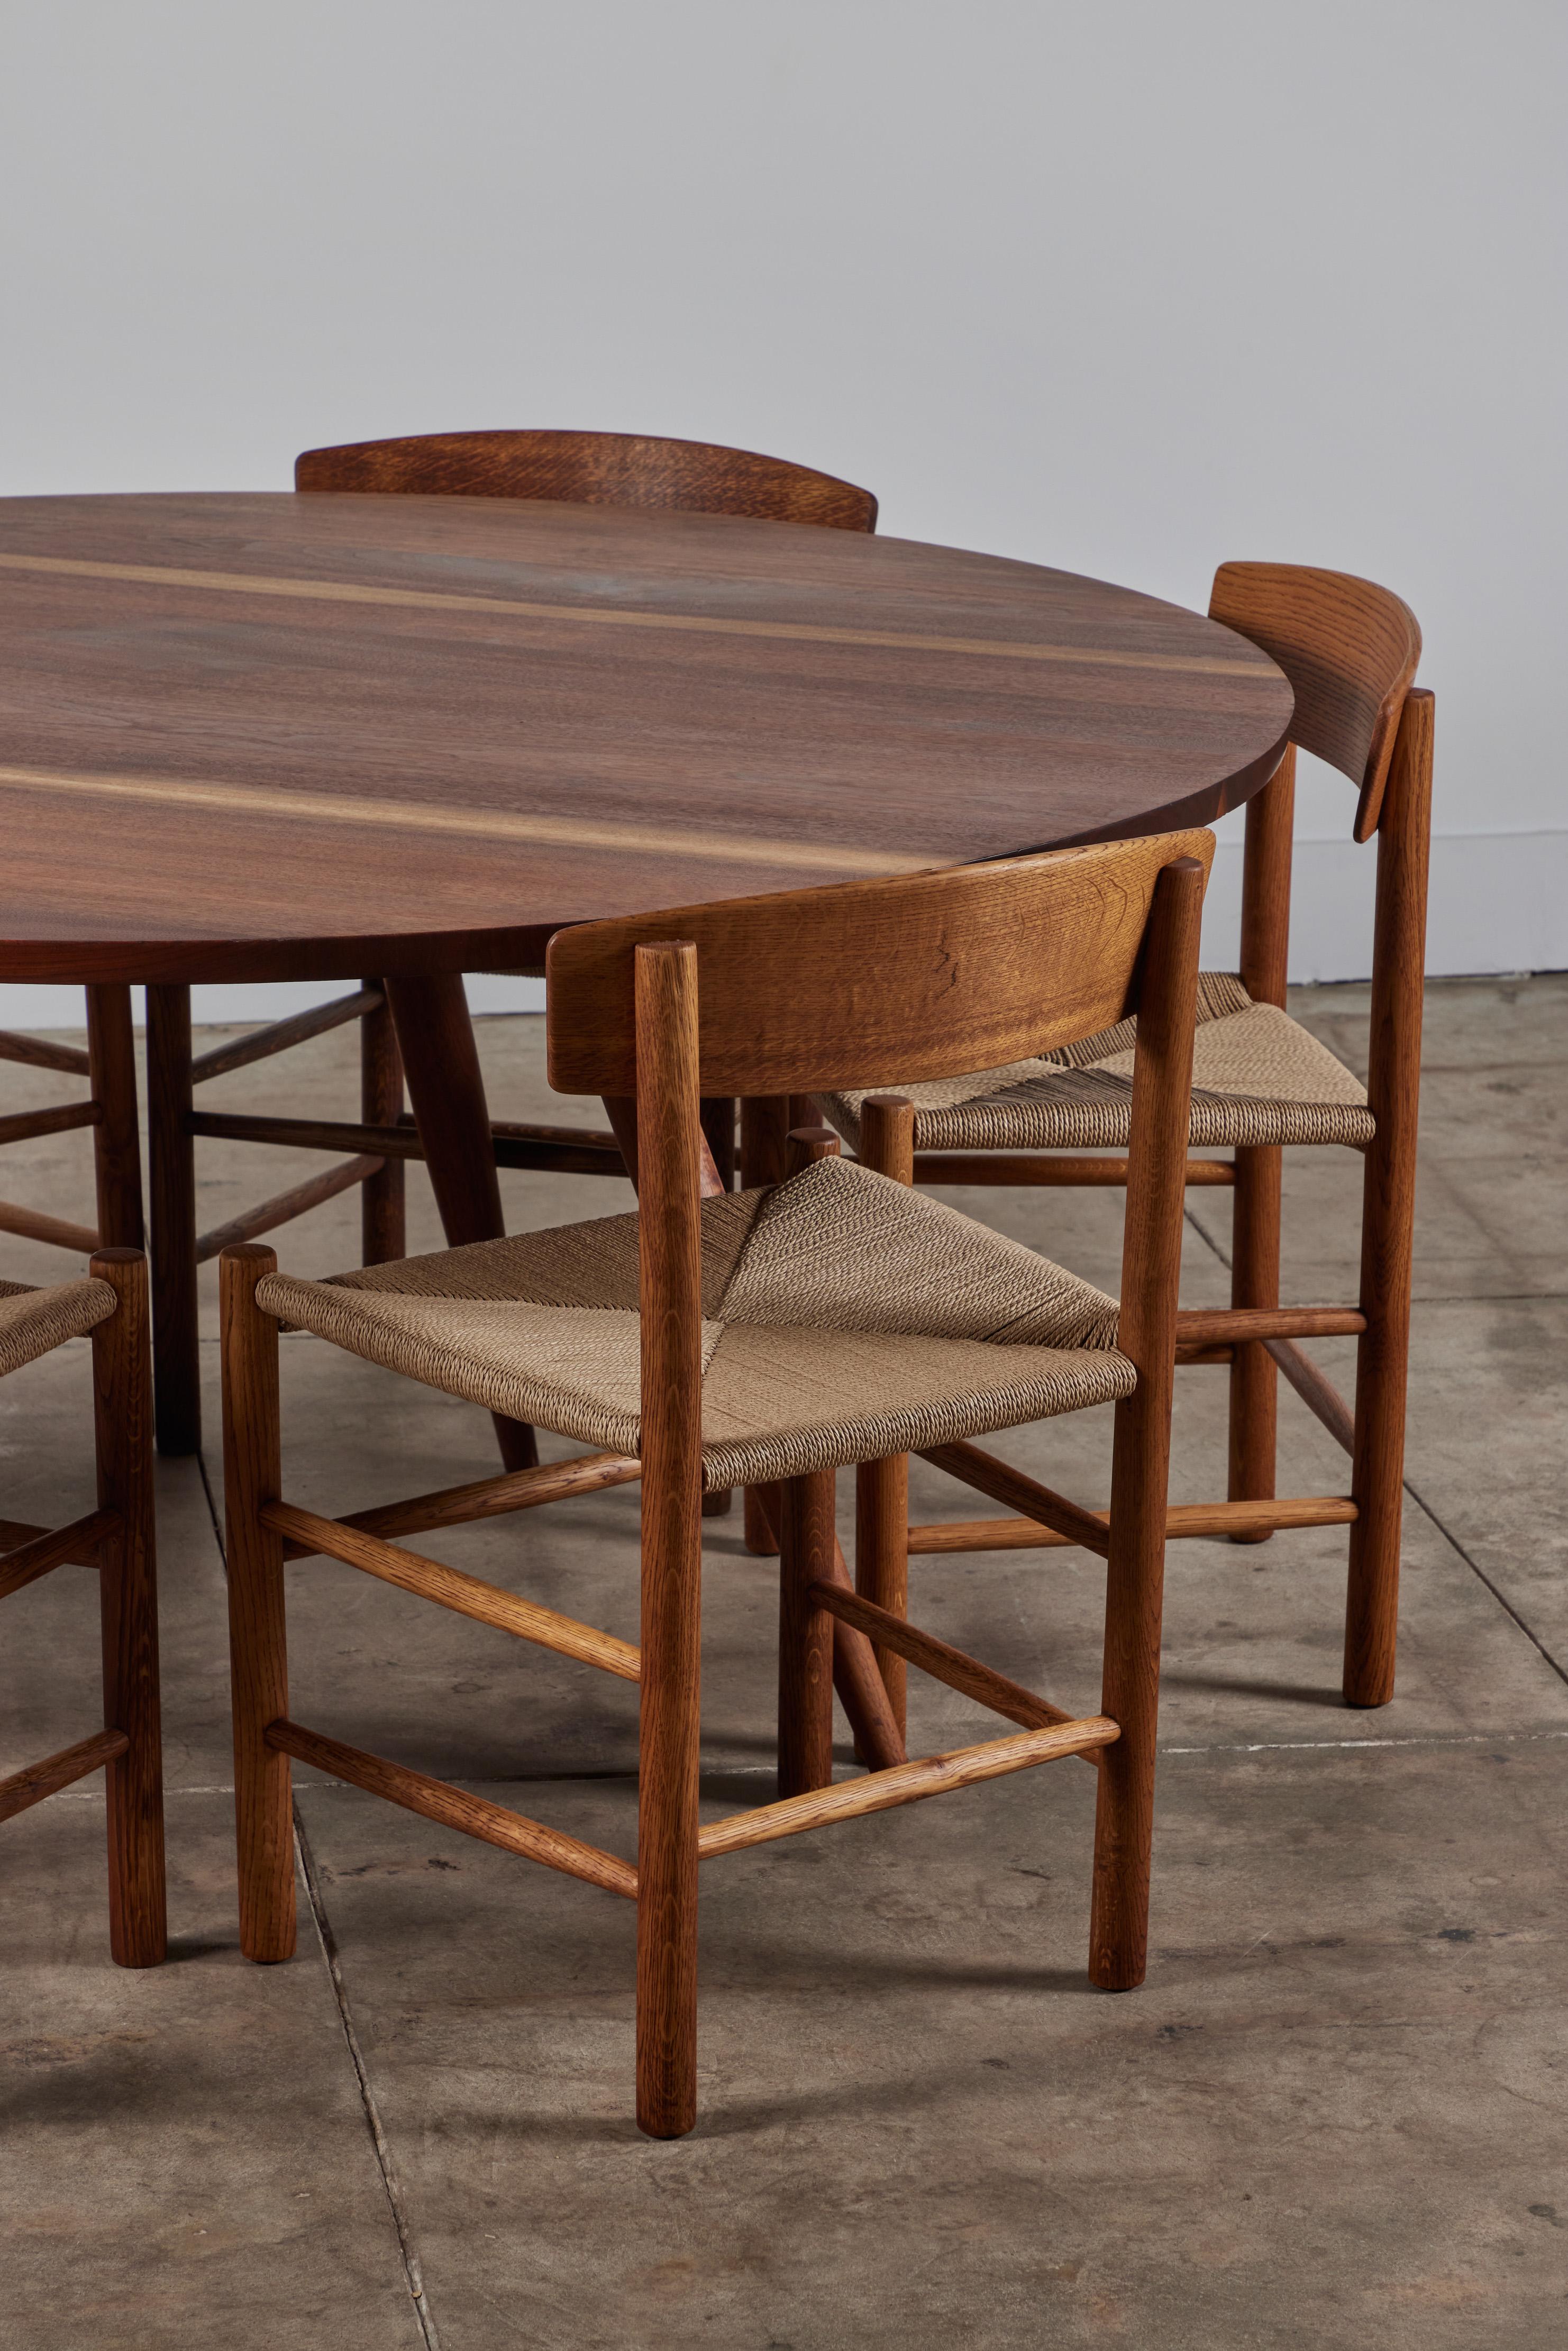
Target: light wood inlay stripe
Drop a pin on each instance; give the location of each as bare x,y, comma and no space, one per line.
499,825
332,591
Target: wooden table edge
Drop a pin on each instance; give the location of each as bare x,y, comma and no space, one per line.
412,954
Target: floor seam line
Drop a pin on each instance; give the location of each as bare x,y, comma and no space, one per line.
1419,1498
1207,1237
1340,1746
761,1771
413,2271
213,1510
1495,1297
1480,1572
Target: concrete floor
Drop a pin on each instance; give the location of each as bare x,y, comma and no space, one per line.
1334,2112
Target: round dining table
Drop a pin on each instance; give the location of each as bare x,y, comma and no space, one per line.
263,736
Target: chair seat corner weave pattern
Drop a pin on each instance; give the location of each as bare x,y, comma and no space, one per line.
844,1318
34,1322
1258,1077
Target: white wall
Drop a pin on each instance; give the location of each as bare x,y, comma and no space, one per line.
1122,286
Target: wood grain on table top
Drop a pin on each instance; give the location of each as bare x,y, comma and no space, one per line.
262,736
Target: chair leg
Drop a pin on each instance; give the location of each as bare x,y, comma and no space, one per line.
1382,1366
670,1720
1388,1211
1377,1476
764,1126
1124,1811
117,1138
882,1488
122,1395
669,1755
383,1231
806,1636
1254,1282
176,1356
764,1509
258,1652
882,1558
1140,1460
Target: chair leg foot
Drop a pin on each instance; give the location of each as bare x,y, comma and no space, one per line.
1130,1692
1367,1689
667,1931
666,2095
1372,1594
1377,1461
667,2032
764,1508
669,1755
1123,1825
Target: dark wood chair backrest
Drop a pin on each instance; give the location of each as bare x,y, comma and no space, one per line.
873,983
591,469
1350,650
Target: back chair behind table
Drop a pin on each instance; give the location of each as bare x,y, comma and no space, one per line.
766,1338
590,469
1261,1082
617,469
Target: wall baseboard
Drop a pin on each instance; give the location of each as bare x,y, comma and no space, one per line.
1473,876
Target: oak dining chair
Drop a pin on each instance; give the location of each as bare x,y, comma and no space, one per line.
590,469
110,1308
573,469
765,1338
1261,1082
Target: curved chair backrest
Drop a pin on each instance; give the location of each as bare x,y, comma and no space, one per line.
1350,650
866,982
591,469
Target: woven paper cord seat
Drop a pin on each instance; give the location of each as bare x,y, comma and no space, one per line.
845,1317
1257,1078
35,1322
